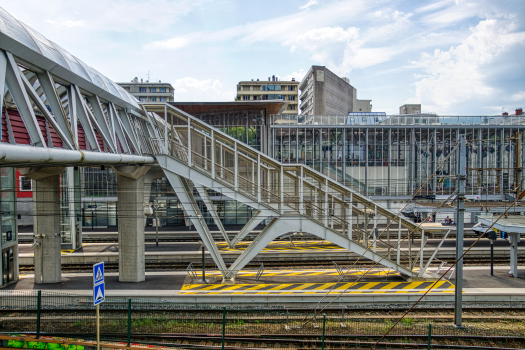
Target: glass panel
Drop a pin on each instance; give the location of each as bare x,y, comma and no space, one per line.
10,27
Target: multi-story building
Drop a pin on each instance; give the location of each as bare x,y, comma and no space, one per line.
273,89
146,91
325,93
410,109
390,158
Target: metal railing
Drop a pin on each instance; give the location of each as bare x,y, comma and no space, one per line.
133,319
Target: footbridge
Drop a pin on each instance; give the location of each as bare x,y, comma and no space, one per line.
59,112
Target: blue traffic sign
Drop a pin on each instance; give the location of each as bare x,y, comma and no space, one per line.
98,293
98,273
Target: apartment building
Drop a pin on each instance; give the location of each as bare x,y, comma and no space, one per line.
325,93
273,89
146,91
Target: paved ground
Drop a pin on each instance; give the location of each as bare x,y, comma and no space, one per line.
275,246
297,281
113,247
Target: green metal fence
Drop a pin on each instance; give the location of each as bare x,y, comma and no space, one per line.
129,320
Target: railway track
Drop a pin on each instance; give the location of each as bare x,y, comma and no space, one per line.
477,314
282,264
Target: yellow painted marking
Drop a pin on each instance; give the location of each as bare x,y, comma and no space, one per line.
412,285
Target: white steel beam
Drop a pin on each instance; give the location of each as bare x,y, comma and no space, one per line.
73,115
211,209
119,129
18,92
250,225
103,125
126,124
48,85
36,100
3,68
283,224
184,193
84,119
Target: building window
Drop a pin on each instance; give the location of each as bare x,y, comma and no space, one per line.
25,183
245,97
152,90
142,89
277,87
245,88
162,99
291,98
291,107
143,98
265,87
291,88
153,99
256,88
162,89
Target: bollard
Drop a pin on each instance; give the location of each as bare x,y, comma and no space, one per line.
129,322
324,325
223,325
429,335
38,307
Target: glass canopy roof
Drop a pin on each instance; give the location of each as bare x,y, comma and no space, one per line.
37,42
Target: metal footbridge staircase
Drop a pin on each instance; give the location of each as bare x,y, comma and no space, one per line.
294,197
58,111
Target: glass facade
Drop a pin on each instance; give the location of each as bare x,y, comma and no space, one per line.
8,204
397,160
247,126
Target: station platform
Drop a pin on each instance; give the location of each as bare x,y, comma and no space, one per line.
279,287
277,250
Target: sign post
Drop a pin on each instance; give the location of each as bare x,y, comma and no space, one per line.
99,293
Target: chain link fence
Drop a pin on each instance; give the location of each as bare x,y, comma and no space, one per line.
128,320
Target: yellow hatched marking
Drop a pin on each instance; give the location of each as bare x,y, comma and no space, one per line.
303,286
412,285
369,285
325,286
390,285
282,286
255,286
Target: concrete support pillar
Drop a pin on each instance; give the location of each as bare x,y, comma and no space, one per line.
46,207
130,182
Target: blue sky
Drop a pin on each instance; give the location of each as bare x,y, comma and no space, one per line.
452,56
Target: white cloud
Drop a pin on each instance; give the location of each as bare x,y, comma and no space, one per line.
457,75
193,89
308,4
298,76
518,96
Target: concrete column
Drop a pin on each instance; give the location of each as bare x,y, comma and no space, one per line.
130,182
46,207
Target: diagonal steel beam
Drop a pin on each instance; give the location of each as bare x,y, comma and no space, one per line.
84,119
211,209
103,125
120,131
36,100
126,123
18,92
48,85
73,115
185,195
250,225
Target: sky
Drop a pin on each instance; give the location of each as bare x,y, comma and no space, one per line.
455,57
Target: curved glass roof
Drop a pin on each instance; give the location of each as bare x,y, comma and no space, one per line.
37,42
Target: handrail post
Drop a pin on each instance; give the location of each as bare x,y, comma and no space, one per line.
301,192
236,168
259,178
189,142
324,327
429,335
38,307
223,325
129,322
212,156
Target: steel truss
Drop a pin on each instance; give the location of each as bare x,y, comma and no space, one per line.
74,100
